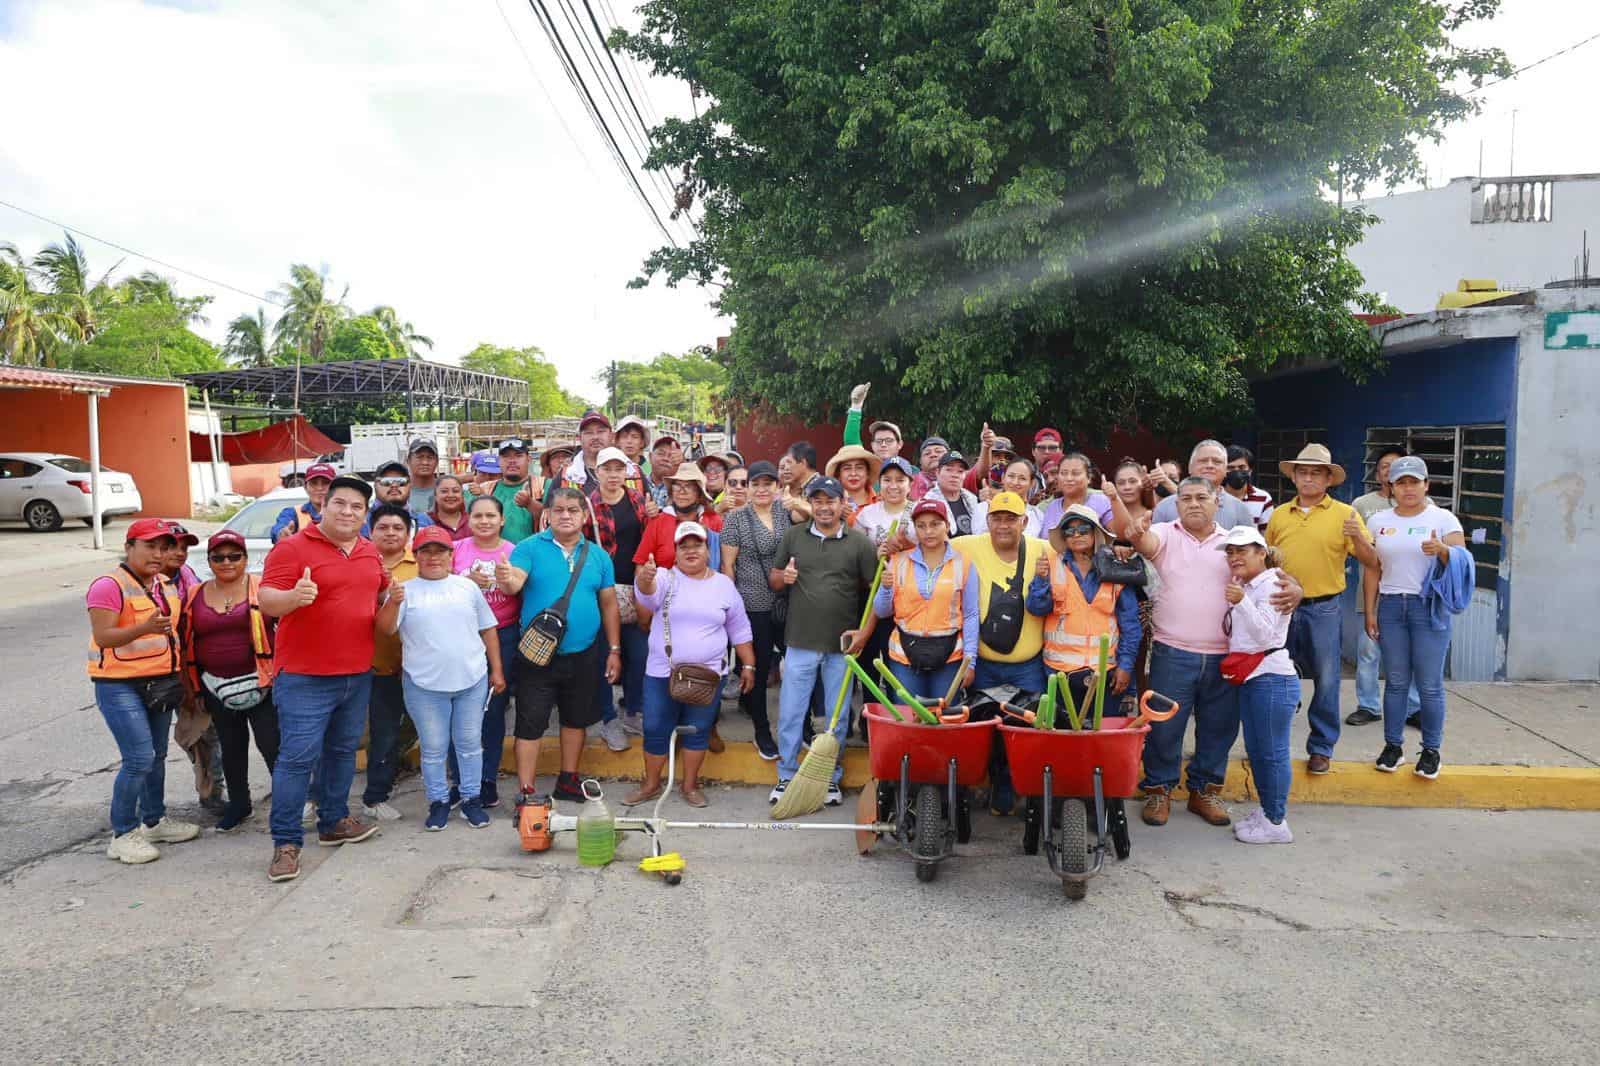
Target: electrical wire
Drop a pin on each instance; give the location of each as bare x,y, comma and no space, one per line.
548,95
1535,63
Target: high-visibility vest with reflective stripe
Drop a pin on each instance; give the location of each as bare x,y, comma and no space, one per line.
151,655
260,638
937,616
1073,630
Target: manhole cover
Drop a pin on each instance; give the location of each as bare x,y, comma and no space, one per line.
486,897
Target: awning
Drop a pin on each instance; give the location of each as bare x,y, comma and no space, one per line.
23,377
270,444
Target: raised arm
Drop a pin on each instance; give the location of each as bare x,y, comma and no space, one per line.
1135,533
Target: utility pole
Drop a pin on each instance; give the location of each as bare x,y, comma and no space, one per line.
612,381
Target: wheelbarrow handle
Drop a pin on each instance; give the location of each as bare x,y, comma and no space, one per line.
1017,712
959,716
1148,713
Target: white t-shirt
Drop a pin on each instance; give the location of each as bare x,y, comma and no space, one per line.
439,625
874,521
1399,543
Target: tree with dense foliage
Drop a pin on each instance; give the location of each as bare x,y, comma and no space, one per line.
35,323
687,387
309,312
549,399
403,336
144,336
249,342
1114,211
361,337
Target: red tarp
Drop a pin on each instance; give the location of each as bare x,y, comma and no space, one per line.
270,444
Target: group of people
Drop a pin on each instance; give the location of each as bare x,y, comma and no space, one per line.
446,600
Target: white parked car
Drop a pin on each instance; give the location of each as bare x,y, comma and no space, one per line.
44,489
255,520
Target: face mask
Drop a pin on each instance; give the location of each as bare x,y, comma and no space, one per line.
1236,479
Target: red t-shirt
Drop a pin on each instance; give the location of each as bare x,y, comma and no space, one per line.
334,634
657,537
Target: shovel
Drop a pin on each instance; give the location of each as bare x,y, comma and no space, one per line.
1148,714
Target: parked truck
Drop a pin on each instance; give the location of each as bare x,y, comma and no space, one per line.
371,446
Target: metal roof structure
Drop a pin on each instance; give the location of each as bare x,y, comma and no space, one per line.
332,389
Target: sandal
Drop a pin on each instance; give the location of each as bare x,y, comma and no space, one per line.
639,795
694,797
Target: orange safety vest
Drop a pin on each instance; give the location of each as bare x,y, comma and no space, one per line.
1073,630
151,655
260,636
937,616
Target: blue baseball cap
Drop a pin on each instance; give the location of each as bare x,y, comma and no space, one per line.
486,462
1408,466
828,486
896,463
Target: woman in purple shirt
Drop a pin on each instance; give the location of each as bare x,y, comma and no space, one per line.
705,614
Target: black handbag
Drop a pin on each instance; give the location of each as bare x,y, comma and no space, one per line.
927,654
544,633
1114,571
1001,627
162,694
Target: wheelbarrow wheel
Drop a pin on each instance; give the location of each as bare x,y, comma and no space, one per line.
1117,815
930,830
1074,846
1030,827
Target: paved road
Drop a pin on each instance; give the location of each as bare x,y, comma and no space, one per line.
1431,936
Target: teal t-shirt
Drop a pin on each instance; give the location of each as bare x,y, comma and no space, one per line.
519,523
545,563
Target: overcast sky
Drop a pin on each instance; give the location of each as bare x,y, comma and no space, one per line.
406,146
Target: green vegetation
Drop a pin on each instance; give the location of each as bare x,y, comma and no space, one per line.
549,399
689,387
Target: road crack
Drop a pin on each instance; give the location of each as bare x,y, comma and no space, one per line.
1180,901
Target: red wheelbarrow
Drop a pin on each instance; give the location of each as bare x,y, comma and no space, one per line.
925,777
1062,772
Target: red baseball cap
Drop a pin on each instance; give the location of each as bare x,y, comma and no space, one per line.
592,415
933,507
1047,433
322,470
432,535
149,529
226,536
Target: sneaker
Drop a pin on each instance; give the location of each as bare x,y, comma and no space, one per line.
632,724
767,748
232,818
346,830
489,796
171,831
438,816
1391,758
132,848
285,863
1262,831
777,792
1363,716
308,816
612,733
569,787
1428,764
380,812
1255,815
474,813
835,795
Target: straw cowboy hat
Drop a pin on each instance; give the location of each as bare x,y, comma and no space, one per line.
854,451
1058,538
567,448
1313,455
691,472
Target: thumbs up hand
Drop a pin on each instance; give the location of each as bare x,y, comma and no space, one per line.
1043,569
645,576
397,592
986,438
1352,525
1234,592
1434,546
305,590
790,574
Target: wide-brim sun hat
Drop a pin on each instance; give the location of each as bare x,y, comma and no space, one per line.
1313,455
1058,535
854,451
692,473
568,448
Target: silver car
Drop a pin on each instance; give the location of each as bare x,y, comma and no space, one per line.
255,521
44,489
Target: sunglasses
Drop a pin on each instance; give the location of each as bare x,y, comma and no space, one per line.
229,557
1078,529
737,482
393,482
1047,446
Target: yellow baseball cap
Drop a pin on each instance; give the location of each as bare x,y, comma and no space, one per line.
1009,503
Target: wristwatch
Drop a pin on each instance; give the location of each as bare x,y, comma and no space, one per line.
616,648
747,668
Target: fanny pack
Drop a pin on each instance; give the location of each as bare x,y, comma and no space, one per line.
543,635
161,694
1237,666
235,693
926,653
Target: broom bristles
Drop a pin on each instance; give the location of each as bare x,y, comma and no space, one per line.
808,789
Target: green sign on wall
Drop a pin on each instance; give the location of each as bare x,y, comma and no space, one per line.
1566,330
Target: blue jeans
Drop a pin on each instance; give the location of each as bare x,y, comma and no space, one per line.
801,669
663,714
494,714
386,705
635,651
1315,633
1027,675
319,726
926,684
443,719
1367,659
1266,707
140,788
1413,654
1195,682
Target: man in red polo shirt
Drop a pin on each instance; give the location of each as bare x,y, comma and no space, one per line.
323,584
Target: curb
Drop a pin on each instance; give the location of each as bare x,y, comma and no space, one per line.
1348,783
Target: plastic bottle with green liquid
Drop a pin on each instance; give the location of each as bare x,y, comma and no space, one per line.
597,830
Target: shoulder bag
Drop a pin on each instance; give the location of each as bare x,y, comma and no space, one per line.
1114,571
691,684
1001,627
543,635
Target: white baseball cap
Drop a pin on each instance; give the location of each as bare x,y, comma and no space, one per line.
1239,536
610,455
689,529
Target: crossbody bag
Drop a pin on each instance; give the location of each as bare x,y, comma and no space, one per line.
544,634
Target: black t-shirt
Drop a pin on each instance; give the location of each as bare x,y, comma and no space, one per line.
961,516
629,532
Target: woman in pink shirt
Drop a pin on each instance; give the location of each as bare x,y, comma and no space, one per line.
703,612
476,559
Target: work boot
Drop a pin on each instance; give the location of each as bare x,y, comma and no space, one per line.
1157,804
1207,805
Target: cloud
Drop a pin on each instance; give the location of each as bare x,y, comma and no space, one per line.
401,143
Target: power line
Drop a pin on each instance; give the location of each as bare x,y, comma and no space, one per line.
1535,63
140,255
631,66
545,89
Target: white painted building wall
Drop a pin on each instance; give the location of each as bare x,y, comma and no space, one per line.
1425,242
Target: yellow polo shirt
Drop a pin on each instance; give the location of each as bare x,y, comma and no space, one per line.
386,646
1313,543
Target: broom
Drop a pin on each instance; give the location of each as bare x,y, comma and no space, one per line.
808,789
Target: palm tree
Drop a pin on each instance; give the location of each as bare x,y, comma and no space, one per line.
64,270
402,335
248,342
34,323
149,287
308,315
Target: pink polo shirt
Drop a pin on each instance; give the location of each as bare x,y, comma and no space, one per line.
1194,578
